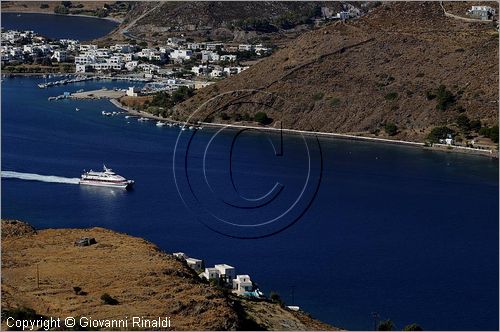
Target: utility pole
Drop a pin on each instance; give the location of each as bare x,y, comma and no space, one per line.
376,318
37,277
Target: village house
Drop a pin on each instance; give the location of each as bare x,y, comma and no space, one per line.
180,55
226,272
481,12
242,284
210,273
60,56
194,263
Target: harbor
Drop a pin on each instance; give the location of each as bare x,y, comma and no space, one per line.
85,78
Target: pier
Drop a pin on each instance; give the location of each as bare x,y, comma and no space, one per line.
90,78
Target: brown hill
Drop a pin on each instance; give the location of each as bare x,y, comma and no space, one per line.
384,67
145,282
250,21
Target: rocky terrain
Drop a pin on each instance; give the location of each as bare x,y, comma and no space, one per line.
142,279
357,76
108,9
229,21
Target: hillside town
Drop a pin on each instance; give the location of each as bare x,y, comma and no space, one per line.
177,58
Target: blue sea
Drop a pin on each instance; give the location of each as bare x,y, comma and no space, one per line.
407,233
59,26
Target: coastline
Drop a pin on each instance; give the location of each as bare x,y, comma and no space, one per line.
116,20
435,147
142,278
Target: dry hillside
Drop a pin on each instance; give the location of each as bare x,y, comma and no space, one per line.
145,282
353,77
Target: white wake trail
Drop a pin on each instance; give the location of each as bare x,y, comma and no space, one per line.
39,177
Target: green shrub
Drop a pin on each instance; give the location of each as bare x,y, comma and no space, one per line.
412,327
61,10
391,96
463,123
334,102
77,290
391,129
261,117
438,133
444,98
491,133
107,299
318,96
275,297
385,325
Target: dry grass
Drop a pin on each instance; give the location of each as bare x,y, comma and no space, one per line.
145,281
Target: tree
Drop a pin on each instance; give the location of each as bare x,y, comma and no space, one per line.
391,96
412,327
475,125
107,299
438,133
275,297
385,325
391,129
77,290
463,123
261,117
491,133
444,98
61,10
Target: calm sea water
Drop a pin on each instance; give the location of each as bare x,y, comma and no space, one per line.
59,26
408,233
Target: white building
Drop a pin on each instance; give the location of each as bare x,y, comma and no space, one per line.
194,263
210,273
60,56
242,284
228,57
481,12
179,254
131,65
181,55
209,56
226,272
132,91
245,47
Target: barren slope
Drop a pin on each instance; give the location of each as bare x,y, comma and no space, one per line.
145,281
356,76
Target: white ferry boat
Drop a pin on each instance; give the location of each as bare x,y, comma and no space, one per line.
107,178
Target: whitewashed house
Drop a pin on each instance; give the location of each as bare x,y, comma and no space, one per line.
179,254
226,272
132,91
481,12
194,263
181,55
210,273
131,65
59,55
242,284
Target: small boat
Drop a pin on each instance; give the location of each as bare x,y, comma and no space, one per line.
106,113
77,109
143,119
106,178
160,124
191,127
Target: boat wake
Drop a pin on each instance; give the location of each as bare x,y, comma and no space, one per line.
38,177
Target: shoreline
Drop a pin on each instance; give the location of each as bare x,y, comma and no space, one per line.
435,147
112,19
